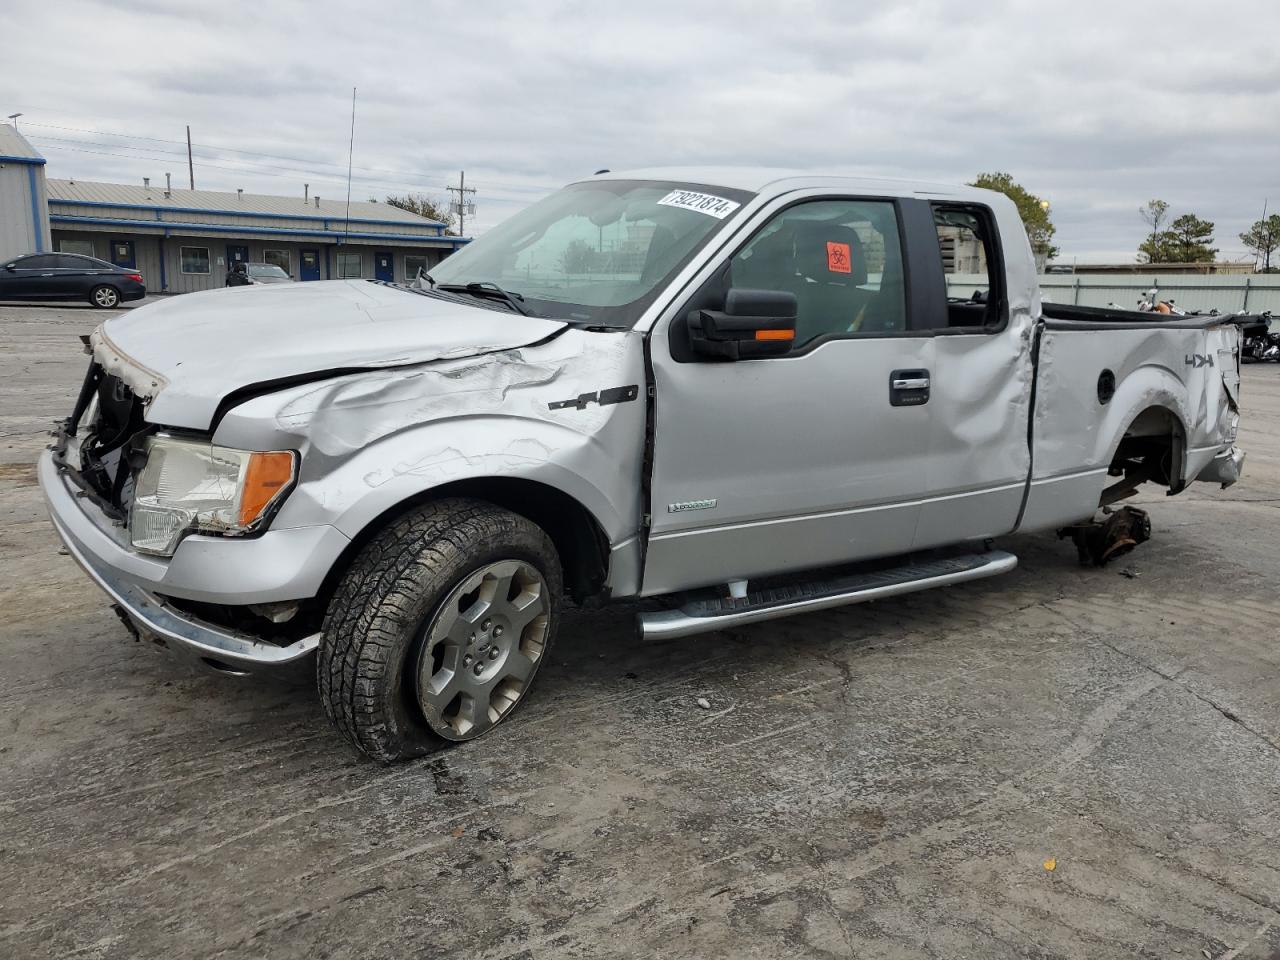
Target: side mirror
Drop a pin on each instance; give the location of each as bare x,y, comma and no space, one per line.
754,324
10,267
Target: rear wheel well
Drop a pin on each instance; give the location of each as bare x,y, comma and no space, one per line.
1153,447
579,540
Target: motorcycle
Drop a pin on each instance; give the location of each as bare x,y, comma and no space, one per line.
1260,343
1151,303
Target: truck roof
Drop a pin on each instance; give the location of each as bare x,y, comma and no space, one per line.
781,179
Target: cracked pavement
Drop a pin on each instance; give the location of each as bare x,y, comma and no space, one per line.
879,781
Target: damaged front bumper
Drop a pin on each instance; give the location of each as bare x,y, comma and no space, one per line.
1225,468
217,571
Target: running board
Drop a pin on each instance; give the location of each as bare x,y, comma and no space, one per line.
703,616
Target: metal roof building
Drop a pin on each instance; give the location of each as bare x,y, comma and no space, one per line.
185,240
24,227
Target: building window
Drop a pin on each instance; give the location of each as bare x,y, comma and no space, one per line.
195,259
348,266
82,247
277,258
411,267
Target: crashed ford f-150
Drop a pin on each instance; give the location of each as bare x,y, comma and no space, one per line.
750,392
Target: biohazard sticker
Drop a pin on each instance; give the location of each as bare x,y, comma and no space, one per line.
839,259
707,203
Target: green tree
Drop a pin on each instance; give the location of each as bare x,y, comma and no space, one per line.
1033,210
1263,238
579,257
1191,237
433,208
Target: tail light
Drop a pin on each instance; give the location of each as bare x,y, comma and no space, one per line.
133,276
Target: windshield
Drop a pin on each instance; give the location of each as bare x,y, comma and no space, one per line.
597,252
263,270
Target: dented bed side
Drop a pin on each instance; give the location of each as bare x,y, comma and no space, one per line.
1095,381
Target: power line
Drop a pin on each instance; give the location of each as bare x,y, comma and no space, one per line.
513,184
249,167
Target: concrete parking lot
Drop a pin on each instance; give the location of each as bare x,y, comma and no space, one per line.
1058,763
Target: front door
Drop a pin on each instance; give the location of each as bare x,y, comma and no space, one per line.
27,277
382,268
236,253
813,458
122,254
309,265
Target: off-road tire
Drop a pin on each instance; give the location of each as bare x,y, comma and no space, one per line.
373,628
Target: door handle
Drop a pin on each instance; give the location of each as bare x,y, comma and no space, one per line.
912,383
908,388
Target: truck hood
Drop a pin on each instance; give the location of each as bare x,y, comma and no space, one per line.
188,353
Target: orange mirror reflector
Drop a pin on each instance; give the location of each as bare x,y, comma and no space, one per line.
775,334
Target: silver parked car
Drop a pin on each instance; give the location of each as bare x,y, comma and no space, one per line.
752,390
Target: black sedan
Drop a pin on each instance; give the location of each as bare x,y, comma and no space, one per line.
247,274
69,276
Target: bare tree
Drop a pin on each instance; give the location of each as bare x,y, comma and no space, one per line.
1154,214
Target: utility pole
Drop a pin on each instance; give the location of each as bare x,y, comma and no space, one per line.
462,206
191,167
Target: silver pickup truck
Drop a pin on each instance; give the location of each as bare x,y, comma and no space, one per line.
749,392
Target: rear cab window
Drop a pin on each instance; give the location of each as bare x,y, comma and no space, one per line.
973,270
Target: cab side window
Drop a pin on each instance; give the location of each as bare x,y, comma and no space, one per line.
970,263
841,258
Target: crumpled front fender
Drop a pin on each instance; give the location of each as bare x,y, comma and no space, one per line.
568,413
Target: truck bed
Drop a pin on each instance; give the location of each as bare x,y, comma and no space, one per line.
1107,377
1063,316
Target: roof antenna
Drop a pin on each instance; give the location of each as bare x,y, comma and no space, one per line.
351,146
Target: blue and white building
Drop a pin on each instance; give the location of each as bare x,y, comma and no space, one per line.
186,240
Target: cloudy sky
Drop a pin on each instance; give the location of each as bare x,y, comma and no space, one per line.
1096,106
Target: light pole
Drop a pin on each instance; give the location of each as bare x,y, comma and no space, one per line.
1042,255
14,117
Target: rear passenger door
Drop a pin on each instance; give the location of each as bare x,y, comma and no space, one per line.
979,457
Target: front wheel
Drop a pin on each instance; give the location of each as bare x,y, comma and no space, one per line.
437,630
105,297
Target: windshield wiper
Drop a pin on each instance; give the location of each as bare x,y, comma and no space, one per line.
488,290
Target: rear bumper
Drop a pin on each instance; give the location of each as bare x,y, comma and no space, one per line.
1225,468
279,565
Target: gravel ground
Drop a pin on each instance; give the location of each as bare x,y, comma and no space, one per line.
1056,763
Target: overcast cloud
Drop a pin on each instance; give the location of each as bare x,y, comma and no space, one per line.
1096,106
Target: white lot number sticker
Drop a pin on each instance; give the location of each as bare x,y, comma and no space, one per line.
712,206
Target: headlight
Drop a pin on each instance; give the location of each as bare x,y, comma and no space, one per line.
188,486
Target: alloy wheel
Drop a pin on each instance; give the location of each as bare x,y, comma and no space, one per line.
482,647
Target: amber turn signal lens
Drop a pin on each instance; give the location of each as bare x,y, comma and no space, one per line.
267,475
775,334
